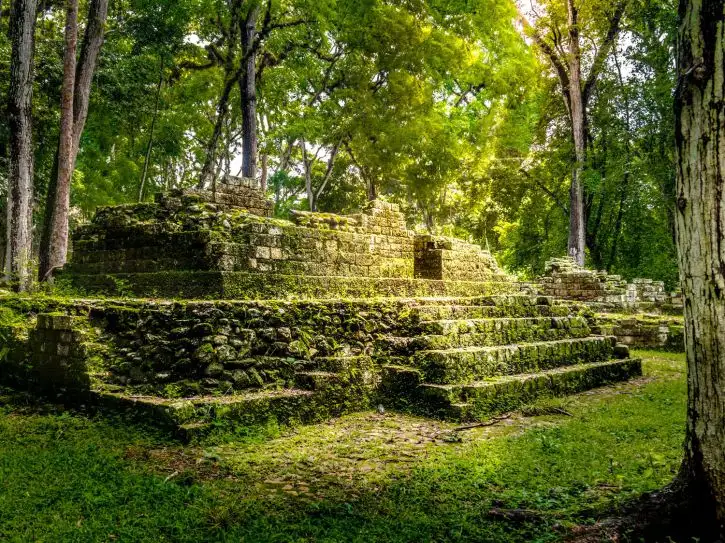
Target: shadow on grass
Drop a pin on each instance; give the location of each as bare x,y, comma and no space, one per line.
65,477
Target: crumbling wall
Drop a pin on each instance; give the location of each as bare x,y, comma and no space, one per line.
450,259
644,331
182,232
564,278
233,193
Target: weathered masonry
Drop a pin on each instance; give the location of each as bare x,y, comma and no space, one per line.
221,313
640,314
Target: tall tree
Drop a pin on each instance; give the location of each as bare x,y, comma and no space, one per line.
20,179
75,98
248,93
700,221
563,49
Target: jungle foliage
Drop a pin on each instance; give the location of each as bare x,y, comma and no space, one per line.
443,106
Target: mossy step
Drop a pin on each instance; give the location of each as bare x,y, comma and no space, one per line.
477,401
500,300
229,285
245,408
317,380
514,326
466,364
463,311
336,364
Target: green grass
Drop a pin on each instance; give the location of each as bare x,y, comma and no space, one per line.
365,477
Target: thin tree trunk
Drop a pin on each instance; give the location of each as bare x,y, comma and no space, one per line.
75,99
207,170
307,164
248,94
577,221
624,188
90,50
700,221
150,145
265,172
20,179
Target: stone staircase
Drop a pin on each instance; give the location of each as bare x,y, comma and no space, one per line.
192,366
472,358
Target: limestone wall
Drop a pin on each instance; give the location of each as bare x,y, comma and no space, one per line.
451,259
182,232
563,278
231,193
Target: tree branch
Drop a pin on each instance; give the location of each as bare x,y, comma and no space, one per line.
603,52
556,62
548,191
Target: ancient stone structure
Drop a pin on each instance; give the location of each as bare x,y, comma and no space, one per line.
643,331
564,278
232,193
182,245
640,314
241,317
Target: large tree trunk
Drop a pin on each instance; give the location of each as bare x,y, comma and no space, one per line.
75,98
53,248
700,222
248,94
577,221
20,179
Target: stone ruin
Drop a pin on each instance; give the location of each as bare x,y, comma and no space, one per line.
641,314
197,310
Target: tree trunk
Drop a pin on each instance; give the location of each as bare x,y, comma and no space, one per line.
700,222
90,50
577,222
248,94
75,98
307,164
150,145
53,253
222,109
265,172
20,178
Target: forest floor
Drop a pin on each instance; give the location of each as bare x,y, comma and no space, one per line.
541,474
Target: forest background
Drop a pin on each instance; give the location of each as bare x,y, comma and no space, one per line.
450,108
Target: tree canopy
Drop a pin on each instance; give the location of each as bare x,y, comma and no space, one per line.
447,107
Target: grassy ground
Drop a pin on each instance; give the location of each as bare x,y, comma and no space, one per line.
366,477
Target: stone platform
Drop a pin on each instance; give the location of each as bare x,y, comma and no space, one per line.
641,314
242,318
183,246
190,365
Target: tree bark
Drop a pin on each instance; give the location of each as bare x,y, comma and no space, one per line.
577,221
248,94
149,147
59,195
20,178
700,224
75,98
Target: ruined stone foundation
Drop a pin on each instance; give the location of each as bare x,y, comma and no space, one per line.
313,317
641,314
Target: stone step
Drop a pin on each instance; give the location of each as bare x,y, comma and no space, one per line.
505,327
317,380
337,364
479,400
462,365
449,334
245,408
457,310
